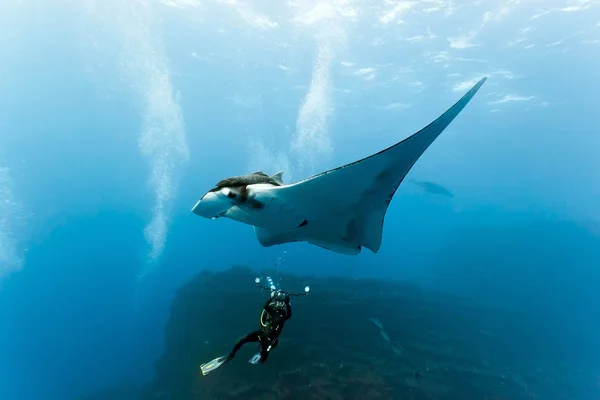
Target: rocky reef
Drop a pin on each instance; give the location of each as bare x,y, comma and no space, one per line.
351,339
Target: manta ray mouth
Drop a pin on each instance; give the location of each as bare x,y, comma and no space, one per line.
220,215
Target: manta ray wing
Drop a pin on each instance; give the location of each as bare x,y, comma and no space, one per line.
344,208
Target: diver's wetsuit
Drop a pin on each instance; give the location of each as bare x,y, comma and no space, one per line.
279,311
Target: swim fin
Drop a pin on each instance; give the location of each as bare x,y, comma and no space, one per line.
212,365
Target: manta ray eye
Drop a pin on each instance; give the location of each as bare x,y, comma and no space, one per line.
231,195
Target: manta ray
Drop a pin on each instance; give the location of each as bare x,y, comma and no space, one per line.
341,210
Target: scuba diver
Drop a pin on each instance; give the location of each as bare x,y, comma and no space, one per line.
276,311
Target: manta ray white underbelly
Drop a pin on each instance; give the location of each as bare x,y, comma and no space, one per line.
342,209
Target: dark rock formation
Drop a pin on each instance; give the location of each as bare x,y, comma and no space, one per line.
429,346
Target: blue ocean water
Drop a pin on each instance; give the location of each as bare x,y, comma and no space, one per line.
116,116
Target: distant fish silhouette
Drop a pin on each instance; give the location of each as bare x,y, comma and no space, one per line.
433,188
385,336
398,350
376,322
